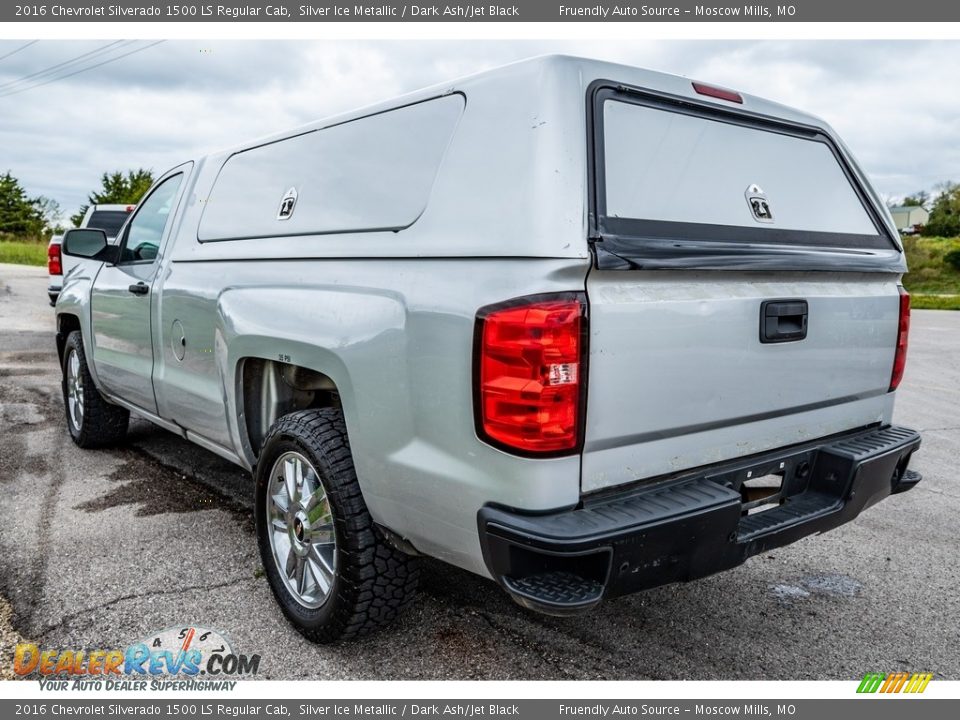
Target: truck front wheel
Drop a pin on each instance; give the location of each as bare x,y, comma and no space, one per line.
92,421
333,573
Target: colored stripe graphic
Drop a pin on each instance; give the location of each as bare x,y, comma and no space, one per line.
870,683
895,682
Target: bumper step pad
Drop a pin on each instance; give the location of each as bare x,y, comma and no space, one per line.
806,507
556,593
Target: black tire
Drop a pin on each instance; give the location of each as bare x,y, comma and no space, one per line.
100,422
372,580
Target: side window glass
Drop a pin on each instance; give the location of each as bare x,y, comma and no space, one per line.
145,229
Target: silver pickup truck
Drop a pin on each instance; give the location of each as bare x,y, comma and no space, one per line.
580,328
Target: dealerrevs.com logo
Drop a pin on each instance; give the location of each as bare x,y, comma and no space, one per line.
178,658
895,682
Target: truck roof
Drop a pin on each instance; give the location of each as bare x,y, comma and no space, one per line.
547,71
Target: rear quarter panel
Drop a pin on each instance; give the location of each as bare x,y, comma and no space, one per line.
397,339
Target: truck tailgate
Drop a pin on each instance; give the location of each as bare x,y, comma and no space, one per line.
679,377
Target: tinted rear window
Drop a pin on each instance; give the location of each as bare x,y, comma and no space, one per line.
666,166
110,221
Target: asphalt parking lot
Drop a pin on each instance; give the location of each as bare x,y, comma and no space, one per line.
99,548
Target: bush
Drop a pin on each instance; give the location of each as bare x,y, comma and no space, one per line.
929,271
945,213
953,258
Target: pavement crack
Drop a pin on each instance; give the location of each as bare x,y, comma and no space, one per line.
134,596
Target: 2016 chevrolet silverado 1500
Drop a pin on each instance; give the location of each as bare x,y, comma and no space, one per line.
577,327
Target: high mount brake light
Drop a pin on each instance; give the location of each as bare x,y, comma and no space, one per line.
530,373
719,93
903,332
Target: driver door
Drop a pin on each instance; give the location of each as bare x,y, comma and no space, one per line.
121,298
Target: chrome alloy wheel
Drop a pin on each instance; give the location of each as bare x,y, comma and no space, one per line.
301,530
75,390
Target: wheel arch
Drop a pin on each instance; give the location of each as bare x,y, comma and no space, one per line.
334,339
66,324
266,389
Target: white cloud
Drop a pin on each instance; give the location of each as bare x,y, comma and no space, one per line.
891,101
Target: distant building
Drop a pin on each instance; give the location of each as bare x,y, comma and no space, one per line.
908,217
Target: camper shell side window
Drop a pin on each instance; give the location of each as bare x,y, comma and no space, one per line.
373,173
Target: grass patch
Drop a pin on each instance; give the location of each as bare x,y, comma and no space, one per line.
934,302
23,252
929,273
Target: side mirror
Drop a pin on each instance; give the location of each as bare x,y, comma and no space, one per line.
88,243
84,242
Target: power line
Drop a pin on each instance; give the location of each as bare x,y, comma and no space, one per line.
22,47
81,70
71,61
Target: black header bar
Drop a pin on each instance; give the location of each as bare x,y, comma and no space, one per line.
890,11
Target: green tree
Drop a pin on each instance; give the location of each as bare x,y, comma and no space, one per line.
945,213
19,214
918,199
117,188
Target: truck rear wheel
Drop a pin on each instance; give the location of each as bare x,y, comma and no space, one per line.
92,421
334,574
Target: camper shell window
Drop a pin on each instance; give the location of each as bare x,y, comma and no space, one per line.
369,174
666,169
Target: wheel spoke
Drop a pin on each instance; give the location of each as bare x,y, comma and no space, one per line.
306,486
318,512
300,575
291,564
321,570
281,547
279,524
290,478
322,534
316,499
298,480
280,502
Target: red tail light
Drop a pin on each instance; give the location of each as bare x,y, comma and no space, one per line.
54,260
529,373
903,331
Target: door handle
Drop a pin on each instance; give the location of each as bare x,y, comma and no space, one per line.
783,321
141,288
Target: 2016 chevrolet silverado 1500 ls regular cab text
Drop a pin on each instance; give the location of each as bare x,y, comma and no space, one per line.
580,328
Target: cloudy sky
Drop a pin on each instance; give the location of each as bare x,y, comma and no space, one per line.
62,125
